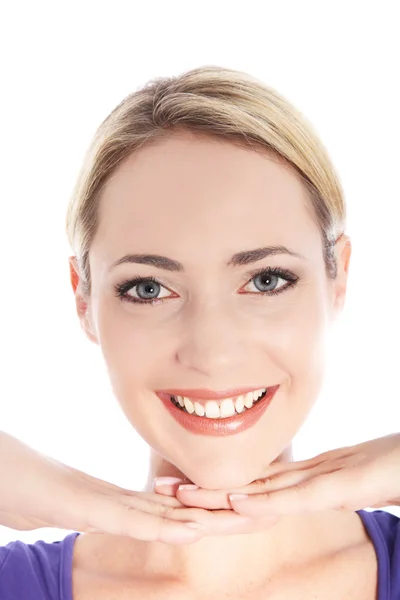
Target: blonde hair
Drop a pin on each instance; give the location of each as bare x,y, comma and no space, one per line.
214,101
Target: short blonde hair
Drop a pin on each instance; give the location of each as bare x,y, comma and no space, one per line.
217,102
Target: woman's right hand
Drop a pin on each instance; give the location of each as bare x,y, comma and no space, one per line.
38,491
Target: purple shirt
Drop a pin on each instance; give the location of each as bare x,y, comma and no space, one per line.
43,570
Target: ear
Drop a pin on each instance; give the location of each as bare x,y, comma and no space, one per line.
343,255
82,301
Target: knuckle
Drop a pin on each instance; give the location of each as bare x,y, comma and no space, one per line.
304,488
166,512
126,518
162,528
261,485
163,524
269,483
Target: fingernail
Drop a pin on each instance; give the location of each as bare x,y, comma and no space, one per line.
158,481
238,496
186,487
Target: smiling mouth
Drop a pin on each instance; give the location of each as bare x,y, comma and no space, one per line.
221,409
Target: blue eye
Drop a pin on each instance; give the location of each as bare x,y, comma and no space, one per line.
147,290
266,281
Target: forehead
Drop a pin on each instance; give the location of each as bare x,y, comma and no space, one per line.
187,190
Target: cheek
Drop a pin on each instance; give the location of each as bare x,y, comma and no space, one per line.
308,350
296,335
131,347
297,345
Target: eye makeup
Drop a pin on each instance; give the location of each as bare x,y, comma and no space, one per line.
154,286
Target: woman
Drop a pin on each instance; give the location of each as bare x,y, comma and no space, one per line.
210,259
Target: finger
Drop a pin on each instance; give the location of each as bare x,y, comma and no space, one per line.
153,497
213,499
99,486
167,486
203,498
293,478
141,506
216,521
102,487
132,521
331,455
323,492
219,499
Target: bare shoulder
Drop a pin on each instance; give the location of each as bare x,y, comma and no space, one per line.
346,569
107,567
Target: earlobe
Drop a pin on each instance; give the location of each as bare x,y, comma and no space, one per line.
81,301
88,329
343,254
346,254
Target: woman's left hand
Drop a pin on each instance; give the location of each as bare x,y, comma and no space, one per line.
349,478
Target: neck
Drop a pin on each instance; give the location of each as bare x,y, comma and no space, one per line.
249,557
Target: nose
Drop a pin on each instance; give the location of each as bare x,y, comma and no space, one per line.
211,343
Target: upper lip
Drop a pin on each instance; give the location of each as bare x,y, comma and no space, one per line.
203,394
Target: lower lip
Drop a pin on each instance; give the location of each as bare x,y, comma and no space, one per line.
219,427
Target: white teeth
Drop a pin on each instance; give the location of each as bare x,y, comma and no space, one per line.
199,409
212,410
249,399
239,403
222,409
257,394
189,405
227,408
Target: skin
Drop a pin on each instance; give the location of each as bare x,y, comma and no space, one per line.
199,200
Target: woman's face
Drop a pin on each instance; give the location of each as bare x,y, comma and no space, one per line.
215,325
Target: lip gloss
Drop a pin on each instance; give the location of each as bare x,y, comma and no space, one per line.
221,426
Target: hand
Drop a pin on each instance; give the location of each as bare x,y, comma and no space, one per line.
37,491
349,478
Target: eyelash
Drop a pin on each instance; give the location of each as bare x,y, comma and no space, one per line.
122,289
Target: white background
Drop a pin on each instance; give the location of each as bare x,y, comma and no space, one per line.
64,67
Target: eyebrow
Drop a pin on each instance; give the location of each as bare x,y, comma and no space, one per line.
241,258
